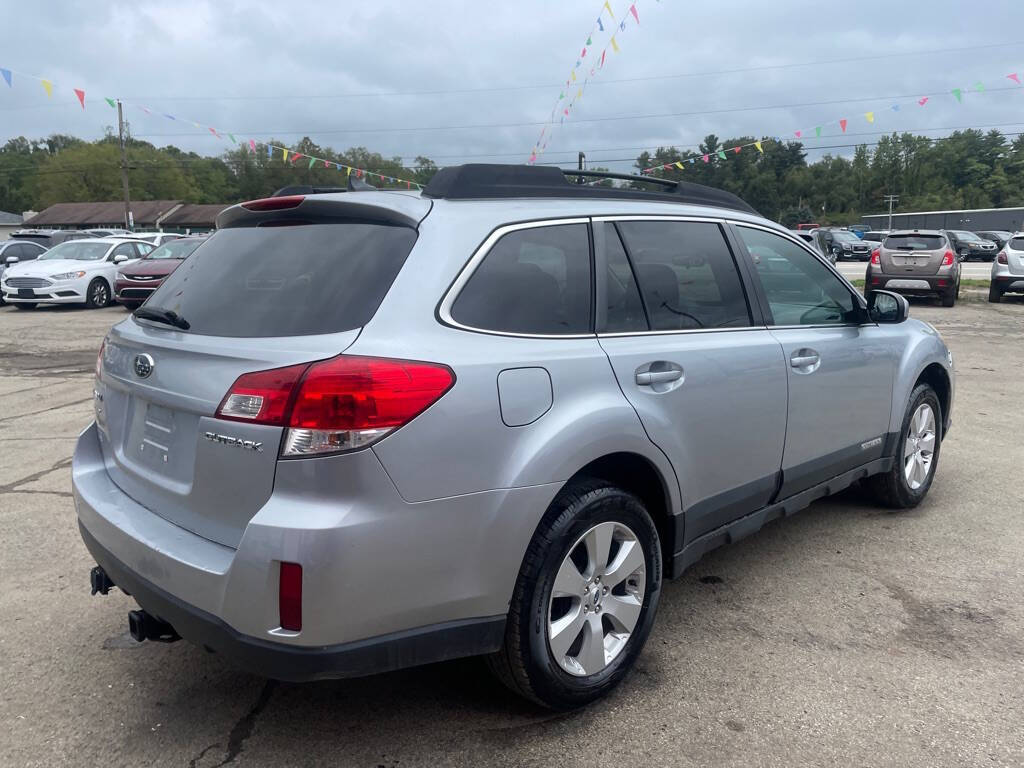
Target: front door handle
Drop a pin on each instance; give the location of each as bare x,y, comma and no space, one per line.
805,359
644,378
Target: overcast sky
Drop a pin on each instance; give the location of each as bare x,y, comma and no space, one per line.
354,74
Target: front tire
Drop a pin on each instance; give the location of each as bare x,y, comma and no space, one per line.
97,296
949,299
917,454
585,598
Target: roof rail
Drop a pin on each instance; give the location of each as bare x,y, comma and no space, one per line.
476,181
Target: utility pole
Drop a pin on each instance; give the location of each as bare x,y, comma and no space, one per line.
891,199
122,140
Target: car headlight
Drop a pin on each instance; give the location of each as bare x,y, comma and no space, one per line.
68,275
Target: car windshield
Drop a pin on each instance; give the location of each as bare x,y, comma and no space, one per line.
176,249
845,237
914,242
78,250
970,237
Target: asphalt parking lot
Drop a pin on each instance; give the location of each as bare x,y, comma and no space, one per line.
846,635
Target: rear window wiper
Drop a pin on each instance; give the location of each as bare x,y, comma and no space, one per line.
168,316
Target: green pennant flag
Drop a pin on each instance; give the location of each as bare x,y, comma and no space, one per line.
956,92
979,87
721,154
588,40
311,161
111,102
232,137
817,131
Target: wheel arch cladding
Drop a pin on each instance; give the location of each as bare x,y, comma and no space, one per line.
638,475
936,376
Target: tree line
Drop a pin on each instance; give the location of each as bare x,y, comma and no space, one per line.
968,169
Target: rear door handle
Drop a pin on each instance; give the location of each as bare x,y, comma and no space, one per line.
644,378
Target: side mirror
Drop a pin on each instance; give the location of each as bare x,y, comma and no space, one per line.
11,260
887,307
120,258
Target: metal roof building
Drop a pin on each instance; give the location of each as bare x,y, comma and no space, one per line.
168,215
974,219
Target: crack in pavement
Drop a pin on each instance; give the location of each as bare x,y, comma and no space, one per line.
243,728
46,410
195,760
12,487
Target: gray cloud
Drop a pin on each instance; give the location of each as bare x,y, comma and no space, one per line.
262,69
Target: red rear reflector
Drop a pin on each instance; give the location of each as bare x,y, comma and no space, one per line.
289,597
947,259
261,397
876,281
274,203
942,283
1001,258
876,256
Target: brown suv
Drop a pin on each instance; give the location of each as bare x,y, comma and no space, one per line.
915,262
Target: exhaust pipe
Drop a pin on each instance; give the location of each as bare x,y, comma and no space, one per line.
144,626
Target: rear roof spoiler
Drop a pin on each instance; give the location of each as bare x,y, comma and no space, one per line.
354,185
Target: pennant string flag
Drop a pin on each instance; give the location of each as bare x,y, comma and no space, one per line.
48,87
81,96
7,76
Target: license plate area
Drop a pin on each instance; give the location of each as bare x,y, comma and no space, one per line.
26,293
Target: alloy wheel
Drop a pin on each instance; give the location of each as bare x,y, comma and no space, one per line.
919,448
596,599
99,294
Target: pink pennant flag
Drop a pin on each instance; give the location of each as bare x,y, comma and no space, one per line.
632,9
1014,77
798,133
842,124
923,101
533,158
707,159
81,96
602,60
214,132
583,55
667,166
566,110
296,157
736,150
252,145
326,164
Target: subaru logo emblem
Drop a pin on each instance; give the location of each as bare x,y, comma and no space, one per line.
143,365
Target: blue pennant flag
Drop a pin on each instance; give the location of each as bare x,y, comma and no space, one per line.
7,76
599,24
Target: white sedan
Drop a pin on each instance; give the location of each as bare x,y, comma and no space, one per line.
74,272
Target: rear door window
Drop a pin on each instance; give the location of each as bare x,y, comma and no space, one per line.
687,275
532,281
914,242
286,281
624,310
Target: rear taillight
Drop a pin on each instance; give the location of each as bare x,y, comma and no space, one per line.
1001,258
876,256
948,258
335,405
274,203
289,597
99,360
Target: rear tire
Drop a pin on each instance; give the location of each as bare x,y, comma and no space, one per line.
994,294
549,608
97,295
949,299
917,454
25,305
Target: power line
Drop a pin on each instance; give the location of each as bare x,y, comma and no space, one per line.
608,118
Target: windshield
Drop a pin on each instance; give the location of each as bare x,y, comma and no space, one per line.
79,250
176,249
915,242
845,237
970,237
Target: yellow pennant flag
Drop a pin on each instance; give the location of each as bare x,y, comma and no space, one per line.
573,75
348,171
48,87
679,165
870,116
614,46
759,147
579,93
284,153
609,9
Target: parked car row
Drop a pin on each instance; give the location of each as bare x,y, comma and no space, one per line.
86,269
966,245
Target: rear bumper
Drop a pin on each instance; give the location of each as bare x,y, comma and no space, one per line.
423,645
912,285
412,582
1007,283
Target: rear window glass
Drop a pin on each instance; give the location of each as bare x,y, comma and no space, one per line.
532,281
286,281
914,242
1016,243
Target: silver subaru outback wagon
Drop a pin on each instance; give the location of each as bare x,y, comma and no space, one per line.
364,430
